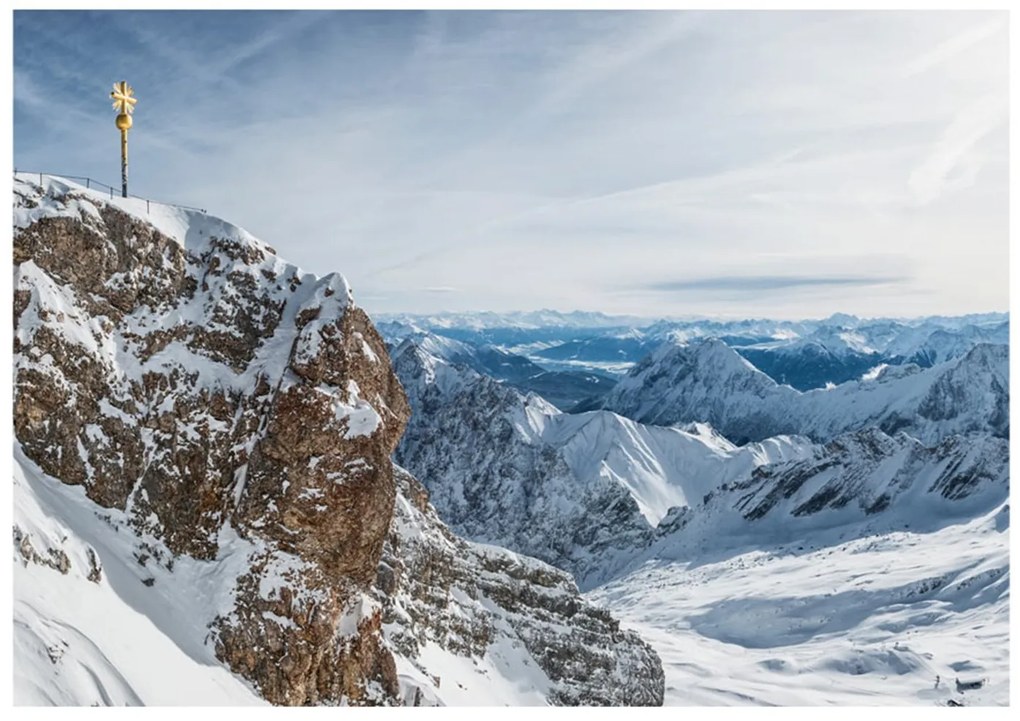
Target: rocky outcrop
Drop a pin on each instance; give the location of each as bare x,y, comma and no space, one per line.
462,598
204,390
206,383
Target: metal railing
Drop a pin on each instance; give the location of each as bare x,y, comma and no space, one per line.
91,184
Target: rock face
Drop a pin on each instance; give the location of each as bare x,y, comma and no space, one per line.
707,381
188,379
209,383
458,598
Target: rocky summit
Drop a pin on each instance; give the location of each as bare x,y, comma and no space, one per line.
227,422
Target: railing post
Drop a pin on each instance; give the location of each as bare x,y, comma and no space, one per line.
87,181
146,206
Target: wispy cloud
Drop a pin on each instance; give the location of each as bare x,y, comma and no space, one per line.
535,160
955,45
760,283
954,149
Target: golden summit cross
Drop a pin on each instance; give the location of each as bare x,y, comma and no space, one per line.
124,103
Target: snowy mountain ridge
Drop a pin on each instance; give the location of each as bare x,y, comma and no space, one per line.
707,381
874,571
514,319
576,490
805,354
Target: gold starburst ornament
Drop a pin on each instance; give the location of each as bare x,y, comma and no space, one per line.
124,103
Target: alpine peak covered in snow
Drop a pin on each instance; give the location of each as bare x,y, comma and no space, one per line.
705,380
850,563
204,438
579,491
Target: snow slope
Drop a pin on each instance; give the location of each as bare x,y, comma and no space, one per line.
853,577
870,621
113,641
661,467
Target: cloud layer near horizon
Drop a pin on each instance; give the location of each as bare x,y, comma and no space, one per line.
651,163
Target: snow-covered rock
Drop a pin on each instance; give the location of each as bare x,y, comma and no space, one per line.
204,439
860,483
111,622
508,630
179,371
476,444
579,491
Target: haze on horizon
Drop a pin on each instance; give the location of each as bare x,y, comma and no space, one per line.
667,163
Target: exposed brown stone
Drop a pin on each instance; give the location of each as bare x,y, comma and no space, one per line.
288,643
185,457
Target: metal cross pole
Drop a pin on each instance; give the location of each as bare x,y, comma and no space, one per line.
123,162
124,104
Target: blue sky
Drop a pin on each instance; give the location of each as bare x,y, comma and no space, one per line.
656,163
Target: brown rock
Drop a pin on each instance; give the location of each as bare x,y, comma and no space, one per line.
262,443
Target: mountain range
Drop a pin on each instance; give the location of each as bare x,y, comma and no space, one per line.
707,381
227,471
802,354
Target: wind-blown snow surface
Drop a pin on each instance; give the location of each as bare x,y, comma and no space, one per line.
115,641
853,577
873,620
